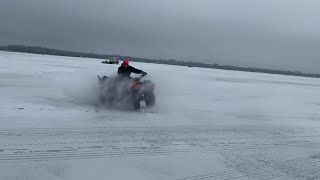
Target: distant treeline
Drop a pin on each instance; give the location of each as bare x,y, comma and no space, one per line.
42,50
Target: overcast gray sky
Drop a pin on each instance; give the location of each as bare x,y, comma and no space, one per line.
279,34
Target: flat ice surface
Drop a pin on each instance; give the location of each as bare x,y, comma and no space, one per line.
207,124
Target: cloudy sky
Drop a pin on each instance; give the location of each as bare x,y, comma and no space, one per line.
279,34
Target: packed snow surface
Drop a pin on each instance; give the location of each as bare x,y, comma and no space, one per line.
207,124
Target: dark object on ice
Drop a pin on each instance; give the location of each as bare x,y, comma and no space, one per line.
126,92
111,60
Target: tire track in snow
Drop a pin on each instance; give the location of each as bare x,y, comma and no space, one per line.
267,174
68,155
108,142
175,134
98,151
223,145
93,130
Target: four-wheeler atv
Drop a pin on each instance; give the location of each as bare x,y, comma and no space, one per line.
126,92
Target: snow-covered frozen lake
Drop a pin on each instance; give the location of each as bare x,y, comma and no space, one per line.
207,124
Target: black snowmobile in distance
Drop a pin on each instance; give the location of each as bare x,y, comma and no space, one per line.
130,95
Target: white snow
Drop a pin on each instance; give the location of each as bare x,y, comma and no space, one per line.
207,124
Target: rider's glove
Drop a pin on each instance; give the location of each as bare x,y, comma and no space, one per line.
144,73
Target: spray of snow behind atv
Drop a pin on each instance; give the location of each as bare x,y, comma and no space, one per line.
126,93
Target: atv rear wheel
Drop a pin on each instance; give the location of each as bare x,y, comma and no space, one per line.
136,105
150,99
102,99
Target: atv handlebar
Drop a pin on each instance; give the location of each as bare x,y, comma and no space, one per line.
140,77
135,79
144,74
